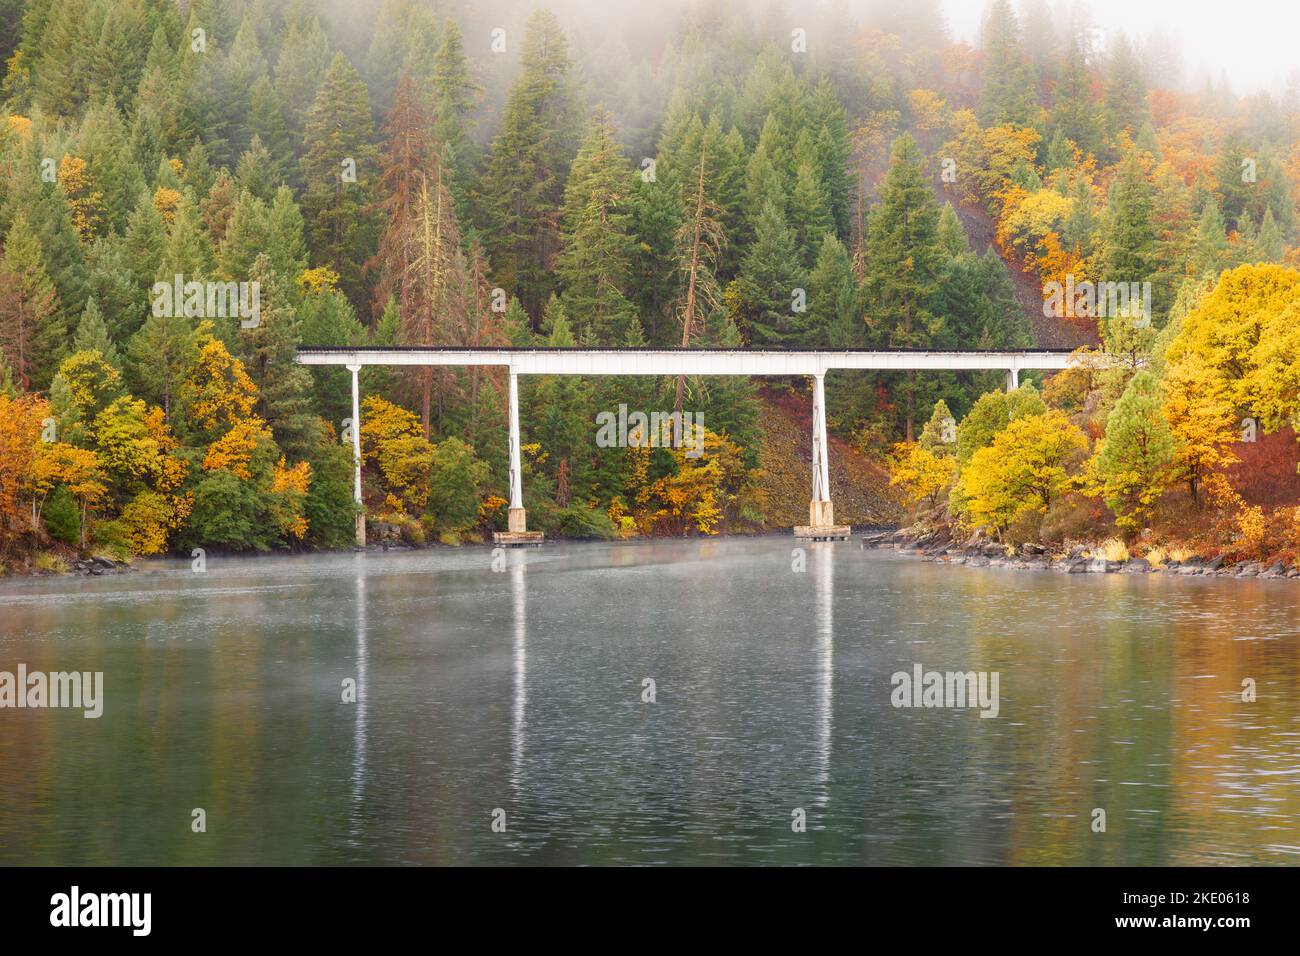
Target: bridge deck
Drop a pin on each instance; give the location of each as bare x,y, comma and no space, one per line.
549,361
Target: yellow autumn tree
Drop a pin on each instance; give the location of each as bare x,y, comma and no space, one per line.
233,451
393,441
1026,468
695,494
165,201
318,281
21,422
1232,359
920,473
150,518
77,469
86,202
218,392
135,444
289,490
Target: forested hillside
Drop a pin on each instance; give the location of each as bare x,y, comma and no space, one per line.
192,190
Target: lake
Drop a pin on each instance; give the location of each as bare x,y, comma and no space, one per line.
701,701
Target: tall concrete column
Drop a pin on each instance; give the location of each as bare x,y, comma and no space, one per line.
1013,379
356,456
517,518
820,511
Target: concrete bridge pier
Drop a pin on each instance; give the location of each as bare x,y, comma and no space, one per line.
356,457
1013,379
517,534
821,512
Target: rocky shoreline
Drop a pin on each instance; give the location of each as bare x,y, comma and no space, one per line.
939,546
98,565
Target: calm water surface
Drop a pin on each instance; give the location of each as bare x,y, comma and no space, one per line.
521,690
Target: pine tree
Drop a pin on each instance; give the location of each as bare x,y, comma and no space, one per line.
904,259
117,61
256,171
299,71
1271,242
832,299
29,333
657,215
835,152
518,328
1209,250
1010,86
699,242
110,281
160,356
1135,458
267,350
218,206
1230,184
267,122
244,72
560,408
1075,115
407,161
142,245
186,250
523,184
1131,232
286,242
810,214
338,168
48,216
327,319
765,180
595,259
952,237
1126,90
454,96
92,335
104,143
439,296
939,436
197,172
64,70
769,278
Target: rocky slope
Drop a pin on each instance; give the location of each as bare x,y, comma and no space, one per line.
859,485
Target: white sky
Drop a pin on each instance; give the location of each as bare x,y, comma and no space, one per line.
1255,43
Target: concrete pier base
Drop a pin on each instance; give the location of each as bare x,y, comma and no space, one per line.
518,535
837,532
518,539
517,521
821,524
821,513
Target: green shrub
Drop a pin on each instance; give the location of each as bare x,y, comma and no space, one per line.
227,513
330,509
454,481
110,538
62,517
579,521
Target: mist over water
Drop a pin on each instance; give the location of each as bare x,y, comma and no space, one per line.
522,690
